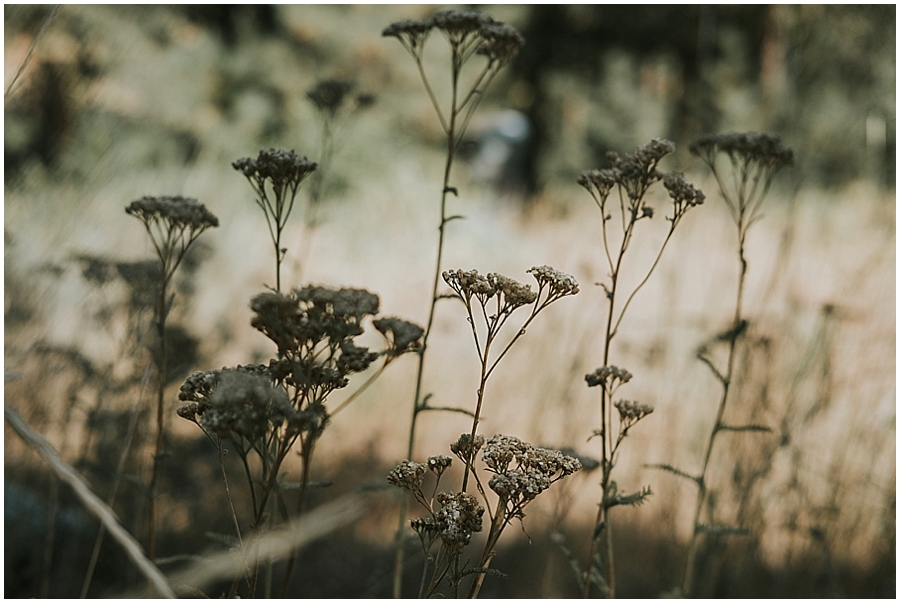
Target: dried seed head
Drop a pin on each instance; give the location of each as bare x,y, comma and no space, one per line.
459,23
412,33
459,517
610,375
463,447
514,293
407,475
404,336
630,412
501,42
245,405
440,463
763,149
523,471
468,283
683,194
599,182
558,283
329,95
282,168
175,212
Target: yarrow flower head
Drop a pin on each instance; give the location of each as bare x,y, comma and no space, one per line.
501,42
407,475
459,517
558,284
763,149
176,211
404,336
463,447
631,412
281,168
611,376
683,194
637,171
522,471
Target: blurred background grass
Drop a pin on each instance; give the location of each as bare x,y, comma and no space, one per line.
117,102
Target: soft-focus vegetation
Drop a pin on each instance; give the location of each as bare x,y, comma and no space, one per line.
106,105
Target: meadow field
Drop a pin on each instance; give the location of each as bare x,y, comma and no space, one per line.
788,490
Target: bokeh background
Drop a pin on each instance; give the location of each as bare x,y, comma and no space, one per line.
105,104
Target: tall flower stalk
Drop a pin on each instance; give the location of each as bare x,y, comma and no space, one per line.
622,189
173,224
276,177
265,411
753,161
520,471
469,33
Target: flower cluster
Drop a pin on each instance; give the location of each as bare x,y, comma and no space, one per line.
608,376
242,403
284,169
682,193
403,336
177,211
459,517
763,149
463,448
300,321
466,30
407,475
631,412
637,171
559,284
522,471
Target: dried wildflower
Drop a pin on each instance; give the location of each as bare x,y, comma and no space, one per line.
459,517
637,171
631,412
425,527
683,194
283,169
514,293
438,464
762,149
501,42
559,284
533,469
311,315
329,95
176,212
611,376
408,475
411,33
469,283
459,23
463,448
404,336
246,406
599,182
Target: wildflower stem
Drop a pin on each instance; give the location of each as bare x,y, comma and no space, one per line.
726,379
417,398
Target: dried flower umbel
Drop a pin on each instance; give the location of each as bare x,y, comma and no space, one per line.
490,300
622,190
519,472
265,411
276,177
492,44
173,223
754,160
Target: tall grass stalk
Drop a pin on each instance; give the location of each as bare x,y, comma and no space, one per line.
468,33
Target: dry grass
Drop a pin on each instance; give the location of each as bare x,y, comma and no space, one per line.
820,297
